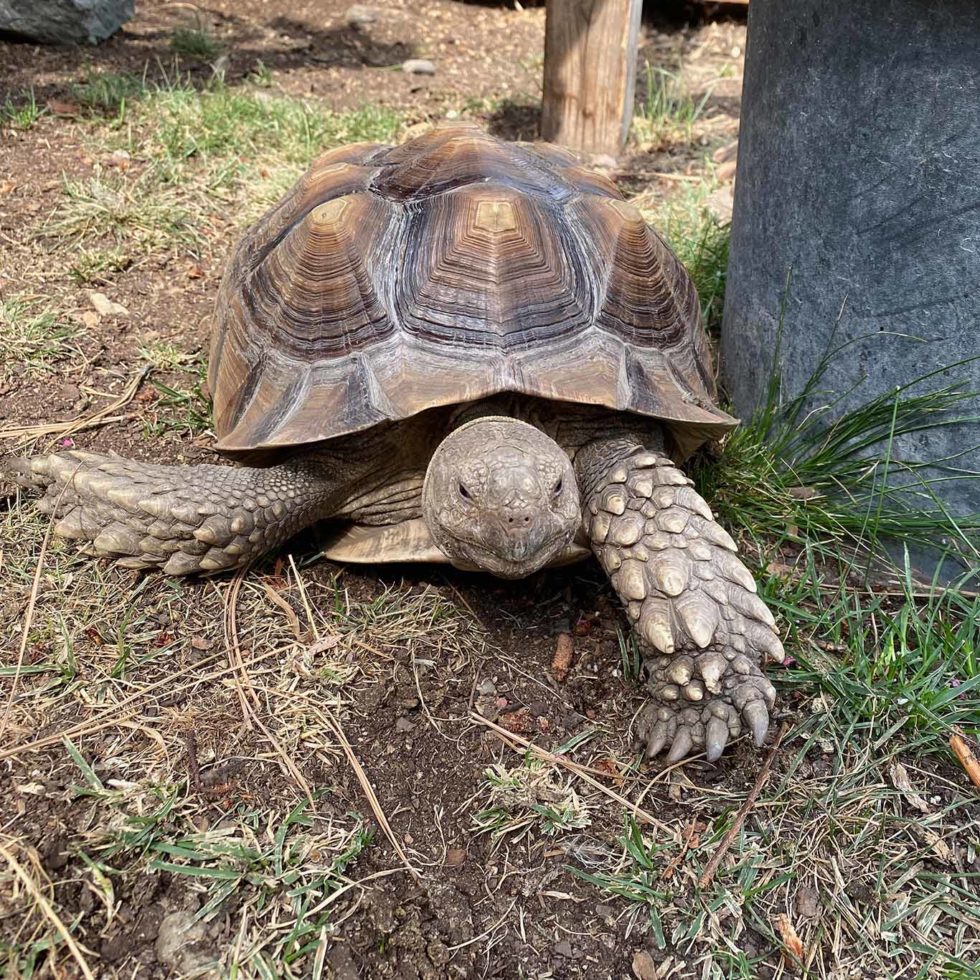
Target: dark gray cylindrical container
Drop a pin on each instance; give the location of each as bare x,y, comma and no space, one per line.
857,207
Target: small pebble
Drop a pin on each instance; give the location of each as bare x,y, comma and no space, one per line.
418,66
360,16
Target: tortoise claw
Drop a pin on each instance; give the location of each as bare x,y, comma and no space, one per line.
681,746
657,741
716,738
757,716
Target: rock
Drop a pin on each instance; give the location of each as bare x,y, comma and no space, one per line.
404,724
360,16
603,161
105,306
64,21
418,66
119,159
177,945
719,203
807,902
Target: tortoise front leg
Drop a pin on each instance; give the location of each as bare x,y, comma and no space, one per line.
702,628
181,519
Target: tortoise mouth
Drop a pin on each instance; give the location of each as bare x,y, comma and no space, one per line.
471,556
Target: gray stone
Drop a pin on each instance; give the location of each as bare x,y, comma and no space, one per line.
361,17
64,21
418,66
182,945
857,210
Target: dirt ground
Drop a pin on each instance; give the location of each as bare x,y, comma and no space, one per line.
159,743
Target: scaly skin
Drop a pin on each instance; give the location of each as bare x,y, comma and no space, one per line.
180,519
701,626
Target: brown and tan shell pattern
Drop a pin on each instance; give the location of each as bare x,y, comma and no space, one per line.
451,268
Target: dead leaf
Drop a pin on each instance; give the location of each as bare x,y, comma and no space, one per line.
726,152
940,848
325,643
194,271
455,856
643,966
609,767
803,493
780,570
7,186
900,780
726,170
105,306
62,107
791,941
519,721
91,319
562,660
201,643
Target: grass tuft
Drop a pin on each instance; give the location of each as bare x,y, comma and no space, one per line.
108,93
836,482
21,115
97,266
194,41
185,123
180,405
529,797
668,111
33,338
126,212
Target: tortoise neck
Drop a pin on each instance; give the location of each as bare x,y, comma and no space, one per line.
571,426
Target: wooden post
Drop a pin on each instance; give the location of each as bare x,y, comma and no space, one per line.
590,73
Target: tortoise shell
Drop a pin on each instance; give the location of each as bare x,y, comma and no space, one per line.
391,280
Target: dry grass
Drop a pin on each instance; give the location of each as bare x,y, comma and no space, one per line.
876,880
123,672
34,339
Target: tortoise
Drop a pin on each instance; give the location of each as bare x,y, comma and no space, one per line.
468,351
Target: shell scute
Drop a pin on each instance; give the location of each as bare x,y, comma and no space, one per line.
446,159
486,265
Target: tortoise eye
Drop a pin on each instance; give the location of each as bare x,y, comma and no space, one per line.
464,493
558,487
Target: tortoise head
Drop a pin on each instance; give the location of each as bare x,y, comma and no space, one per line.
501,496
